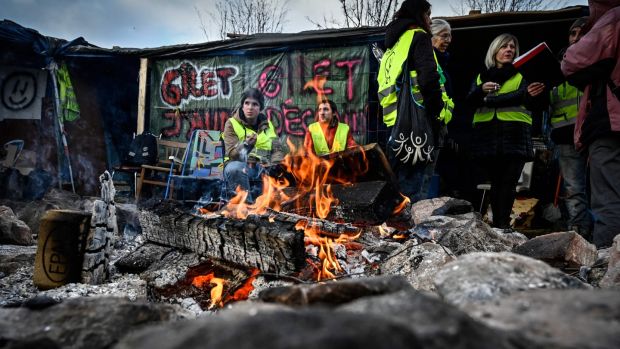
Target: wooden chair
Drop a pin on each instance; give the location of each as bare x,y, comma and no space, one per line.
171,156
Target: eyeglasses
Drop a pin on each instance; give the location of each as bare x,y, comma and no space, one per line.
446,36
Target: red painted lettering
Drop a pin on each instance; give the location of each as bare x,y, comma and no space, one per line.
170,93
269,81
350,65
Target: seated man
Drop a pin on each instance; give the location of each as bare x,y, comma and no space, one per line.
327,135
250,143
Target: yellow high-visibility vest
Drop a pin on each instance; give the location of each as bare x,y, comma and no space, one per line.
390,71
564,105
262,148
320,143
512,113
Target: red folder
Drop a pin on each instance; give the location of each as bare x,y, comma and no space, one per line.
540,65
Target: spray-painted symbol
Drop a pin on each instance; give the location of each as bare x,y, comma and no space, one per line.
19,90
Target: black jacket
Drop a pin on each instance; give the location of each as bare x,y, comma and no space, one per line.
421,60
500,138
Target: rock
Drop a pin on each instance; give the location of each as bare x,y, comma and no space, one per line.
276,327
40,302
612,276
466,234
142,258
561,250
337,292
127,216
14,257
443,206
418,263
435,323
12,230
80,323
557,318
485,276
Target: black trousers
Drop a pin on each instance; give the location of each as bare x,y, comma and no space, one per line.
504,173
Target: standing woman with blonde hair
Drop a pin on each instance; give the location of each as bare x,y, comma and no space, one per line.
502,135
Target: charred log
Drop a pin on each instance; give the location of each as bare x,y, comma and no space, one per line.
362,204
264,242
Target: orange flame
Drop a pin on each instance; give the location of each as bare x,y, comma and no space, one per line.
312,183
216,291
402,205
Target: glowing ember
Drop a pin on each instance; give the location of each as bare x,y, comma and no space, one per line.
217,299
216,291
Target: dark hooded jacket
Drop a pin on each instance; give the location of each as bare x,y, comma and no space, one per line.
421,60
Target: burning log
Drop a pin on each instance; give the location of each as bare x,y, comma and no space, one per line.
362,204
266,242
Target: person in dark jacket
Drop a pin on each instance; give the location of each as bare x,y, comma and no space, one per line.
564,107
408,40
502,136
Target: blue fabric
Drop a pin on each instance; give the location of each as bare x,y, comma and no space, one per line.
573,168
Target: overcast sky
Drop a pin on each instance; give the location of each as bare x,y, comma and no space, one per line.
153,23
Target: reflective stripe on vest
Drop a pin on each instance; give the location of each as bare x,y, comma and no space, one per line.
390,70
512,113
262,148
564,105
320,143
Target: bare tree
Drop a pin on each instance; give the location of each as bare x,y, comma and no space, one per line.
462,7
360,13
247,16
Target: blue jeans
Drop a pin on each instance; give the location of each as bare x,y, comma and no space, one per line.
246,177
573,168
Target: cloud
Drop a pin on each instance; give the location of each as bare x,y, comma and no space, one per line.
153,23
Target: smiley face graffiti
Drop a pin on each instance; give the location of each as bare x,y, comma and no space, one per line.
18,90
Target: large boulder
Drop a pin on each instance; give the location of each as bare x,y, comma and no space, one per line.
435,323
12,230
485,276
443,206
557,318
561,250
333,293
78,323
276,327
418,263
466,233
612,276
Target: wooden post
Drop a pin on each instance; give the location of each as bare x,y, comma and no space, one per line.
142,94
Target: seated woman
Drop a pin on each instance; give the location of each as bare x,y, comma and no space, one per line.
251,143
502,125
327,135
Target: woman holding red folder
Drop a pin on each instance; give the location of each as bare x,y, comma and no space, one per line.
502,135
